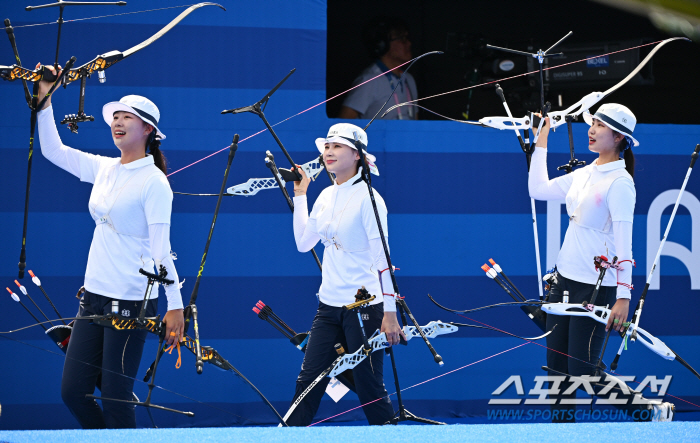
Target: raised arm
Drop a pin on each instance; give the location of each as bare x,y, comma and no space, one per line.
538,183
78,163
53,148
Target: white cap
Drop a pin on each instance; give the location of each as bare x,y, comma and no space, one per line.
616,117
344,133
142,107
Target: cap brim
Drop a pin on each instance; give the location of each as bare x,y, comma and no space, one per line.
109,109
588,118
321,146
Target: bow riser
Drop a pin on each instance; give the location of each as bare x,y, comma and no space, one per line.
116,321
252,187
558,118
509,123
600,314
255,185
378,342
100,63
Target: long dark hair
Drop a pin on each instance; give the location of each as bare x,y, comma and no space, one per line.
625,148
153,148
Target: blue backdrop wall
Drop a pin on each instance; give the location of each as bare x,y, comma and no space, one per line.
457,195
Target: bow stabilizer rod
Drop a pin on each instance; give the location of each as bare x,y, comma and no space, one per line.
11,35
400,302
270,163
258,109
640,304
191,309
528,149
35,107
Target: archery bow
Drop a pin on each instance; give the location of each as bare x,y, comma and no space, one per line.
376,342
156,326
557,118
597,313
100,63
401,304
640,304
255,185
528,150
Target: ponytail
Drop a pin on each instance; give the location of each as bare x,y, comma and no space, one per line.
153,145
629,161
625,150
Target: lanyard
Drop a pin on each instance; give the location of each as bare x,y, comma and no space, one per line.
390,78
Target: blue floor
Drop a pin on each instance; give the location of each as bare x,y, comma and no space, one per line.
539,433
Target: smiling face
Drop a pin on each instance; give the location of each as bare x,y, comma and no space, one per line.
129,132
342,160
602,139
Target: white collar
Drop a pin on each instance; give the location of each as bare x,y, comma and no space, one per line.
350,181
611,166
147,160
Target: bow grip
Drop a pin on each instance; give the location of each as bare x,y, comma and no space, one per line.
47,75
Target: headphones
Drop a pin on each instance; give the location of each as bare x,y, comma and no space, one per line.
381,40
376,34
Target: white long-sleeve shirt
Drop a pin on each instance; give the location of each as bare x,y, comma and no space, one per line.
131,206
343,219
600,203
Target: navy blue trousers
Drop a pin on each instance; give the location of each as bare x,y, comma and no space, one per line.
334,325
115,354
582,339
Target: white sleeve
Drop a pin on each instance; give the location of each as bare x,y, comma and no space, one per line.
622,231
59,154
538,182
159,235
380,263
304,233
622,197
157,199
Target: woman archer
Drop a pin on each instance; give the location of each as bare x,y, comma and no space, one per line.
131,204
600,200
343,219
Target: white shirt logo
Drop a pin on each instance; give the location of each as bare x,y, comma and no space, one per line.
126,313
